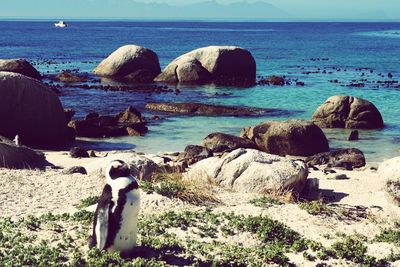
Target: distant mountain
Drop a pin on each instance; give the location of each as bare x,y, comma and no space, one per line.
133,9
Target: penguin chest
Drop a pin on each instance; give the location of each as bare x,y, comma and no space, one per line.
125,238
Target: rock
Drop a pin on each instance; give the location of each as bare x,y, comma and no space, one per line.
311,189
32,111
131,62
353,136
206,109
292,137
20,66
20,157
92,115
69,114
130,115
220,64
339,158
348,112
76,169
77,152
128,122
132,132
275,80
389,170
185,69
249,170
337,177
68,77
92,154
193,154
141,166
220,142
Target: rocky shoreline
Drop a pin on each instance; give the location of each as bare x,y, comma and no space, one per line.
271,160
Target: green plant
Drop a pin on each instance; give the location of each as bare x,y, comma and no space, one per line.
266,202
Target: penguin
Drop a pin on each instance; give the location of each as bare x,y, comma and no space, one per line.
17,141
116,215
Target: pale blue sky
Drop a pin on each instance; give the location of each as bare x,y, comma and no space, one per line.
291,9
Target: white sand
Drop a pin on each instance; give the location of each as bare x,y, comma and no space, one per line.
34,192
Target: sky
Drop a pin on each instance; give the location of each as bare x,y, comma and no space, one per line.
389,9
287,9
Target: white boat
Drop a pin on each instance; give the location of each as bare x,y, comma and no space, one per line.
60,24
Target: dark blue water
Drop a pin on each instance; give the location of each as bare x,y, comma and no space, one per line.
279,48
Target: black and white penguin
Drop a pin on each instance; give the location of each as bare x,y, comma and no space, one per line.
116,216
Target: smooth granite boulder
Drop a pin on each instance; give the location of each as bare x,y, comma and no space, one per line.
348,112
130,62
31,110
220,64
20,157
220,142
351,157
390,171
249,170
292,137
20,66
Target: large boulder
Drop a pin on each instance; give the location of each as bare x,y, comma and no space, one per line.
220,142
348,157
292,137
389,170
130,62
220,64
249,170
31,110
97,126
20,157
348,112
20,66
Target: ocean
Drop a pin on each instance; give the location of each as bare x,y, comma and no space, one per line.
314,53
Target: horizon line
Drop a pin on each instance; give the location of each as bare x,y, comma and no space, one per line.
177,19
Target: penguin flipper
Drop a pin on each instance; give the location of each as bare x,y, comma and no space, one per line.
102,218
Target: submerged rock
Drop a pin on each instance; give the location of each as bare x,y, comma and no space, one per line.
130,62
249,170
353,136
128,122
220,64
20,66
206,109
32,111
220,142
352,157
292,137
69,77
348,112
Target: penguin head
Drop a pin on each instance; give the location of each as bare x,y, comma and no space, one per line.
117,169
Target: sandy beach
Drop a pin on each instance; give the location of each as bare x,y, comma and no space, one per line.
357,205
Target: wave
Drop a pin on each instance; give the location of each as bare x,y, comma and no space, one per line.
382,34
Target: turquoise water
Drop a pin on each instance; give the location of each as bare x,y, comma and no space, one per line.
314,53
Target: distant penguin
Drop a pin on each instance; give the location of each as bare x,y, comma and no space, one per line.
116,216
16,140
